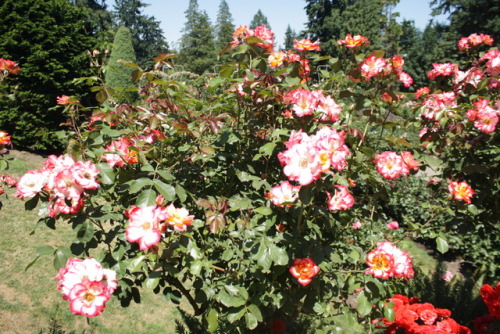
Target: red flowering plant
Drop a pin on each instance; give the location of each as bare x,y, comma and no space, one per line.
261,196
413,317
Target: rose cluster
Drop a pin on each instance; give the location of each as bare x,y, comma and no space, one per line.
307,157
465,43
147,224
386,261
125,150
86,285
392,165
305,102
261,32
64,180
373,66
421,318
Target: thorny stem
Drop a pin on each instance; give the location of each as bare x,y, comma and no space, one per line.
175,282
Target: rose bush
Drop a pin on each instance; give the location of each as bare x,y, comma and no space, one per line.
262,195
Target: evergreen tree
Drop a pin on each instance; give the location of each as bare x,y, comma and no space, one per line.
259,19
470,16
119,75
317,11
49,39
197,50
147,36
224,28
99,17
290,35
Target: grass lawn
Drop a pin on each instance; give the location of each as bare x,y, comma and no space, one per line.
29,300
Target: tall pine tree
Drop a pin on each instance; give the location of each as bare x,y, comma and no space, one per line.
259,19
147,36
224,27
290,35
197,49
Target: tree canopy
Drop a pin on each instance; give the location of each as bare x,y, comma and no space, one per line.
147,36
48,38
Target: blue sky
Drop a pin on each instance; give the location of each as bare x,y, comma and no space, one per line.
279,13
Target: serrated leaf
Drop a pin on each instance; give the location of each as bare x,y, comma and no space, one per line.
135,265
442,245
85,232
106,172
166,190
235,316
181,193
152,281
364,306
389,313
60,259
264,210
146,198
139,184
254,309
279,255
212,320
251,320
44,250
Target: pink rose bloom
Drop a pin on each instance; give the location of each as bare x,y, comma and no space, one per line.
461,191
328,108
304,270
283,193
178,218
387,261
394,225
341,200
30,184
306,45
303,164
357,225
266,35
444,69
143,226
88,298
390,165
406,79
372,66
485,118
276,59
447,276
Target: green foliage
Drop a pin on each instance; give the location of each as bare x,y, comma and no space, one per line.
49,40
259,19
147,36
119,75
197,53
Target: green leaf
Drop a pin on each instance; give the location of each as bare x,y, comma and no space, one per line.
305,194
279,255
85,232
212,320
251,320
139,184
135,265
60,259
254,309
106,173
146,198
31,203
153,280
441,244
264,210
235,314
44,250
389,313
364,306
230,300
166,190
472,209
181,193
